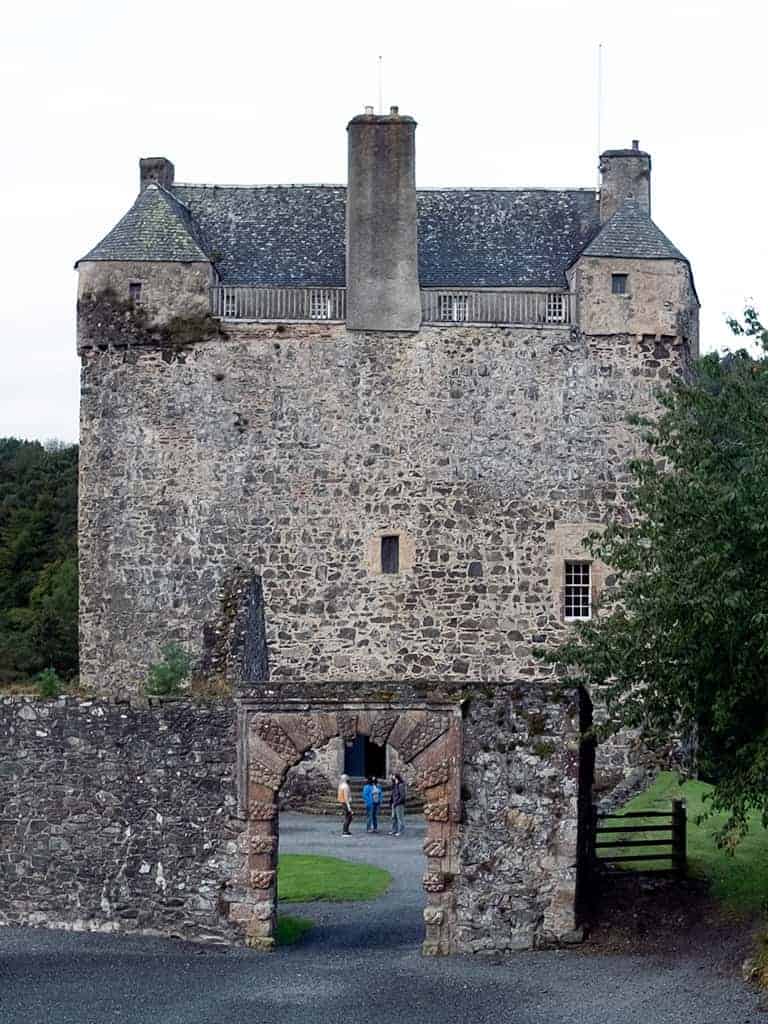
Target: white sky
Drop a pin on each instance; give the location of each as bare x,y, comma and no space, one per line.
241,93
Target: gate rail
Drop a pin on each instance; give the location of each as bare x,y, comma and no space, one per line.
639,837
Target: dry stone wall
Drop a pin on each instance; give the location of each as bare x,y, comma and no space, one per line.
115,818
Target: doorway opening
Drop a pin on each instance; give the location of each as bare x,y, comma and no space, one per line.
363,757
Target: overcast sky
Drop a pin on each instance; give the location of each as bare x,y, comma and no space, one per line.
249,93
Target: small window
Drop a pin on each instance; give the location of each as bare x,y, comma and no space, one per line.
578,590
390,554
320,305
451,308
556,308
229,302
134,291
619,284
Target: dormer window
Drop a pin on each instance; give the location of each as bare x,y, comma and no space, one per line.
451,308
320,305
619,284
556,308
229,302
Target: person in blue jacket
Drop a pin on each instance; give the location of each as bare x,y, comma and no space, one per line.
372,801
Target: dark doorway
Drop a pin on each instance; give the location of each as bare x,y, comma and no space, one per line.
362,758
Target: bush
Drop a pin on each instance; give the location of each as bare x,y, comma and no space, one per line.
49,683
166,676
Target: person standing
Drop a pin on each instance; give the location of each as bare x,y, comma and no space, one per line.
377,795
397,804
344,798
369,805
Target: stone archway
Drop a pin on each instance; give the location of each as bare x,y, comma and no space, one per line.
274,735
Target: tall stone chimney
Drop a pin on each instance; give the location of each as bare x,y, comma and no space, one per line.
625,174
155,169
382,258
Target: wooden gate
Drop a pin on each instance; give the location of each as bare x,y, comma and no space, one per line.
639,841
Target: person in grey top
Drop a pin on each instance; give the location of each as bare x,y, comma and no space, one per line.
397,803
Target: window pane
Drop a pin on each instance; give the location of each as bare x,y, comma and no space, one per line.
390,554
619,284
578,590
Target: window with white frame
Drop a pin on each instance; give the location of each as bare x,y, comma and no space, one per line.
320,305
451,308
556,308
229,302
578,591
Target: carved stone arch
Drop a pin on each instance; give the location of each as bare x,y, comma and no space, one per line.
274,735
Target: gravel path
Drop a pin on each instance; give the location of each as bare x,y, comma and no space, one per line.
64,978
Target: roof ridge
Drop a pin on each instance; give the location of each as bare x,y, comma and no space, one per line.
419,188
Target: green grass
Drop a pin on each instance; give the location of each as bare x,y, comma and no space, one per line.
739,881
291,930
302,878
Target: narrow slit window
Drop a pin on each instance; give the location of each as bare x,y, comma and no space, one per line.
134,291
619,284
578,591
390,554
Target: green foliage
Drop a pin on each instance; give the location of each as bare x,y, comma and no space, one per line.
49,683
305,877
739,882
291,930
166,676
685,649
38,559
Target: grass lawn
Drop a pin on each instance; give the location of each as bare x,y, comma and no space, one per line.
739,881
304,877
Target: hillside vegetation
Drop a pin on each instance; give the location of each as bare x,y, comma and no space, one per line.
38,559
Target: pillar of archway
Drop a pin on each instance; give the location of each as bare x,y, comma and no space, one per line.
273,736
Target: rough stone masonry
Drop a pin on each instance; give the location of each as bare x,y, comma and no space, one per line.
329,497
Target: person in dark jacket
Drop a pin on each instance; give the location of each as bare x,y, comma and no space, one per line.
397,804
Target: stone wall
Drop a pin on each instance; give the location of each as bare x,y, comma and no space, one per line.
659,301
285,451
117,818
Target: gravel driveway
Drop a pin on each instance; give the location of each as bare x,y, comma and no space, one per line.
360,964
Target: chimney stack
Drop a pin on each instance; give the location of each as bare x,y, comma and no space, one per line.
382,258
625,174
155,170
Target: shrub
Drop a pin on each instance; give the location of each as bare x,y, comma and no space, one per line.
49,683
166,676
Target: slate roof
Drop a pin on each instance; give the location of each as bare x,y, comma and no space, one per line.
630,232
157,227
282,235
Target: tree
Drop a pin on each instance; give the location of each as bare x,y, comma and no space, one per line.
38,558
680,642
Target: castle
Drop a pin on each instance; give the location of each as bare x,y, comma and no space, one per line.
344,444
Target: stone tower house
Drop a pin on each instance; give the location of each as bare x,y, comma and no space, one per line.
344,444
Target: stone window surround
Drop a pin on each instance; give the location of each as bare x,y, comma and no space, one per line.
407,552
568,546
274,734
